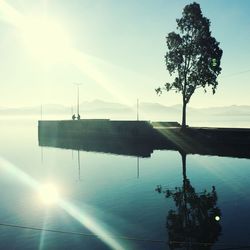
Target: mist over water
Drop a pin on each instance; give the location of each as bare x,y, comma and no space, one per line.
229,121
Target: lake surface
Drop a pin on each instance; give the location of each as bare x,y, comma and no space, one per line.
110,201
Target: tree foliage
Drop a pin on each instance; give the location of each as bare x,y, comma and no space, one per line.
193,56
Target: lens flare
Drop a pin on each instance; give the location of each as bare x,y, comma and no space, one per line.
49,194
217,218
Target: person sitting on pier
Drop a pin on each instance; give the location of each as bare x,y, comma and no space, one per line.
78,117
73,117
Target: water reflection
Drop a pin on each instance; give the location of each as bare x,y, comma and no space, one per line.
194,223
112,146
41,155
138,167
79,165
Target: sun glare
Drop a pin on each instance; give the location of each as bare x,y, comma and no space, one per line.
46,39
49,194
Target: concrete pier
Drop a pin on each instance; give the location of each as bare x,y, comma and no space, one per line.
142,137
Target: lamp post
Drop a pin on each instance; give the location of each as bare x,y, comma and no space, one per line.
77,100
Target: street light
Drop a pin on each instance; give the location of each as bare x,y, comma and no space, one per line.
77,100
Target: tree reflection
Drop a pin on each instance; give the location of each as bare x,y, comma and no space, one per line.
194,224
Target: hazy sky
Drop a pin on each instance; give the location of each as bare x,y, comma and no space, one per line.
114,48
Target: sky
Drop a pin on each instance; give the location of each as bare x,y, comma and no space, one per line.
114,49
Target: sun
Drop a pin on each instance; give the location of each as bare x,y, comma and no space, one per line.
45,39
49,194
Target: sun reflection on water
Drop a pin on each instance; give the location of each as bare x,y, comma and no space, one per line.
50,195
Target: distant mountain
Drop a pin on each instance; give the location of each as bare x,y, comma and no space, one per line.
234,110
156,107
99,108
33,110
102,106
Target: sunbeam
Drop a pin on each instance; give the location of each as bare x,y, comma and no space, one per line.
49,43
42,236
174,136
88,65
10,15
89,223
19,174
70,209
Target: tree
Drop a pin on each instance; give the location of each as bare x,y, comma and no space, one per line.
193,56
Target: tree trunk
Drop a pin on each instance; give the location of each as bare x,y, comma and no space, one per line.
185,191
184,114
183,158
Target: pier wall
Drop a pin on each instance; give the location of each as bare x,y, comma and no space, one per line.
141,137
99,128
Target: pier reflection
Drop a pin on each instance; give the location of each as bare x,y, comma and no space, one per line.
113,146
79,165
194,223
138,146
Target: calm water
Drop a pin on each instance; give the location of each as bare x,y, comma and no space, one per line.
112,195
